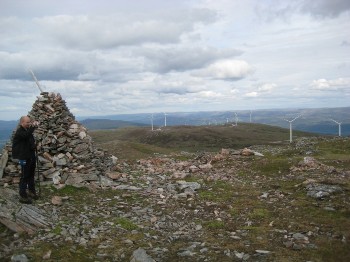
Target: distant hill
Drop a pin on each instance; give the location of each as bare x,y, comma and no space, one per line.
141,141
95,124
316,120
8,125
6,129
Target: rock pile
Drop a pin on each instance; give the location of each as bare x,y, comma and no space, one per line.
65,150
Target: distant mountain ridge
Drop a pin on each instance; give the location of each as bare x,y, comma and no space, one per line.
315,120
95,124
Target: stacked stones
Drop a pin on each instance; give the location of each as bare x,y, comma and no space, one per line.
64,147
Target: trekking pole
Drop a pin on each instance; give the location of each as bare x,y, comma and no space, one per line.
37,168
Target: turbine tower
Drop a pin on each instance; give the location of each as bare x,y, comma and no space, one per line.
250,116
236,119
165,114
290,127
339,126
152,121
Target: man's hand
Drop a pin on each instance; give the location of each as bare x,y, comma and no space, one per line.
35,123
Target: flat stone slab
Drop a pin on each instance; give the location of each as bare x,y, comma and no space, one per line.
20,217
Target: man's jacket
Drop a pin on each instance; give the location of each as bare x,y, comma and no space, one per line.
23,145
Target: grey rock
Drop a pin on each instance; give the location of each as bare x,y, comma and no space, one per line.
184,184
321,190
19,258
140,255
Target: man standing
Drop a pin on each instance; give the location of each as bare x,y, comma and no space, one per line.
23,148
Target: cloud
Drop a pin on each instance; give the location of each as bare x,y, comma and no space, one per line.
345,43
325,8
329,85
85,32
267,88
226,69
262,89
182,58
252,94
284,10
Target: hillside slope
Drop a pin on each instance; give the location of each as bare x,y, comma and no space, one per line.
135,142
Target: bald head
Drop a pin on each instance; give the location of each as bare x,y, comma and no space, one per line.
24,121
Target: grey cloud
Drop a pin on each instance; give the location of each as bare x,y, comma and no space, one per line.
104,32
325,8
176,90
67,65
226,69
168,59
345,43
316,8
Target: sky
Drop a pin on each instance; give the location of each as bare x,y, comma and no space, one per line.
124,57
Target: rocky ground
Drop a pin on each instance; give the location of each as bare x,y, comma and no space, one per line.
265,203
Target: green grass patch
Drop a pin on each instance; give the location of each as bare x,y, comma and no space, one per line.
126,223
214,224
70,190
57,230
259,213
219,191
272,165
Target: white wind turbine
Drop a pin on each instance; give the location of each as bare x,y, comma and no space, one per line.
339,126
165,114
250,116
290,127
236,119
152,121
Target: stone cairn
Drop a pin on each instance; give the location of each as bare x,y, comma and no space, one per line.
65,150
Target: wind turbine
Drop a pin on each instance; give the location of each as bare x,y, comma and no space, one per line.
165,114
152,121
250,116
290,127
36,80
236,119
339,126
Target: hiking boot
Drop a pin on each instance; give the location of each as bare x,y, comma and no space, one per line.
25,200
33,195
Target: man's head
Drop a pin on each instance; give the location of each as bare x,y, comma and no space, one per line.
25,122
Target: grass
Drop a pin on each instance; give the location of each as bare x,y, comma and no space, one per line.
70,190
134,142
218,191
214,224
126,223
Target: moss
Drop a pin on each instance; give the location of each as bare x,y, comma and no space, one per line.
214,224
57,230
259,213
126,223
70,190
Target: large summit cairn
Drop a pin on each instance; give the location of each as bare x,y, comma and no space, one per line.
65,150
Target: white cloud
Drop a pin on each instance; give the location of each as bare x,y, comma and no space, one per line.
326,85
252,94
267,88
226,69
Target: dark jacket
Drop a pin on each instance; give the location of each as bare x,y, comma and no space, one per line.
23,145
